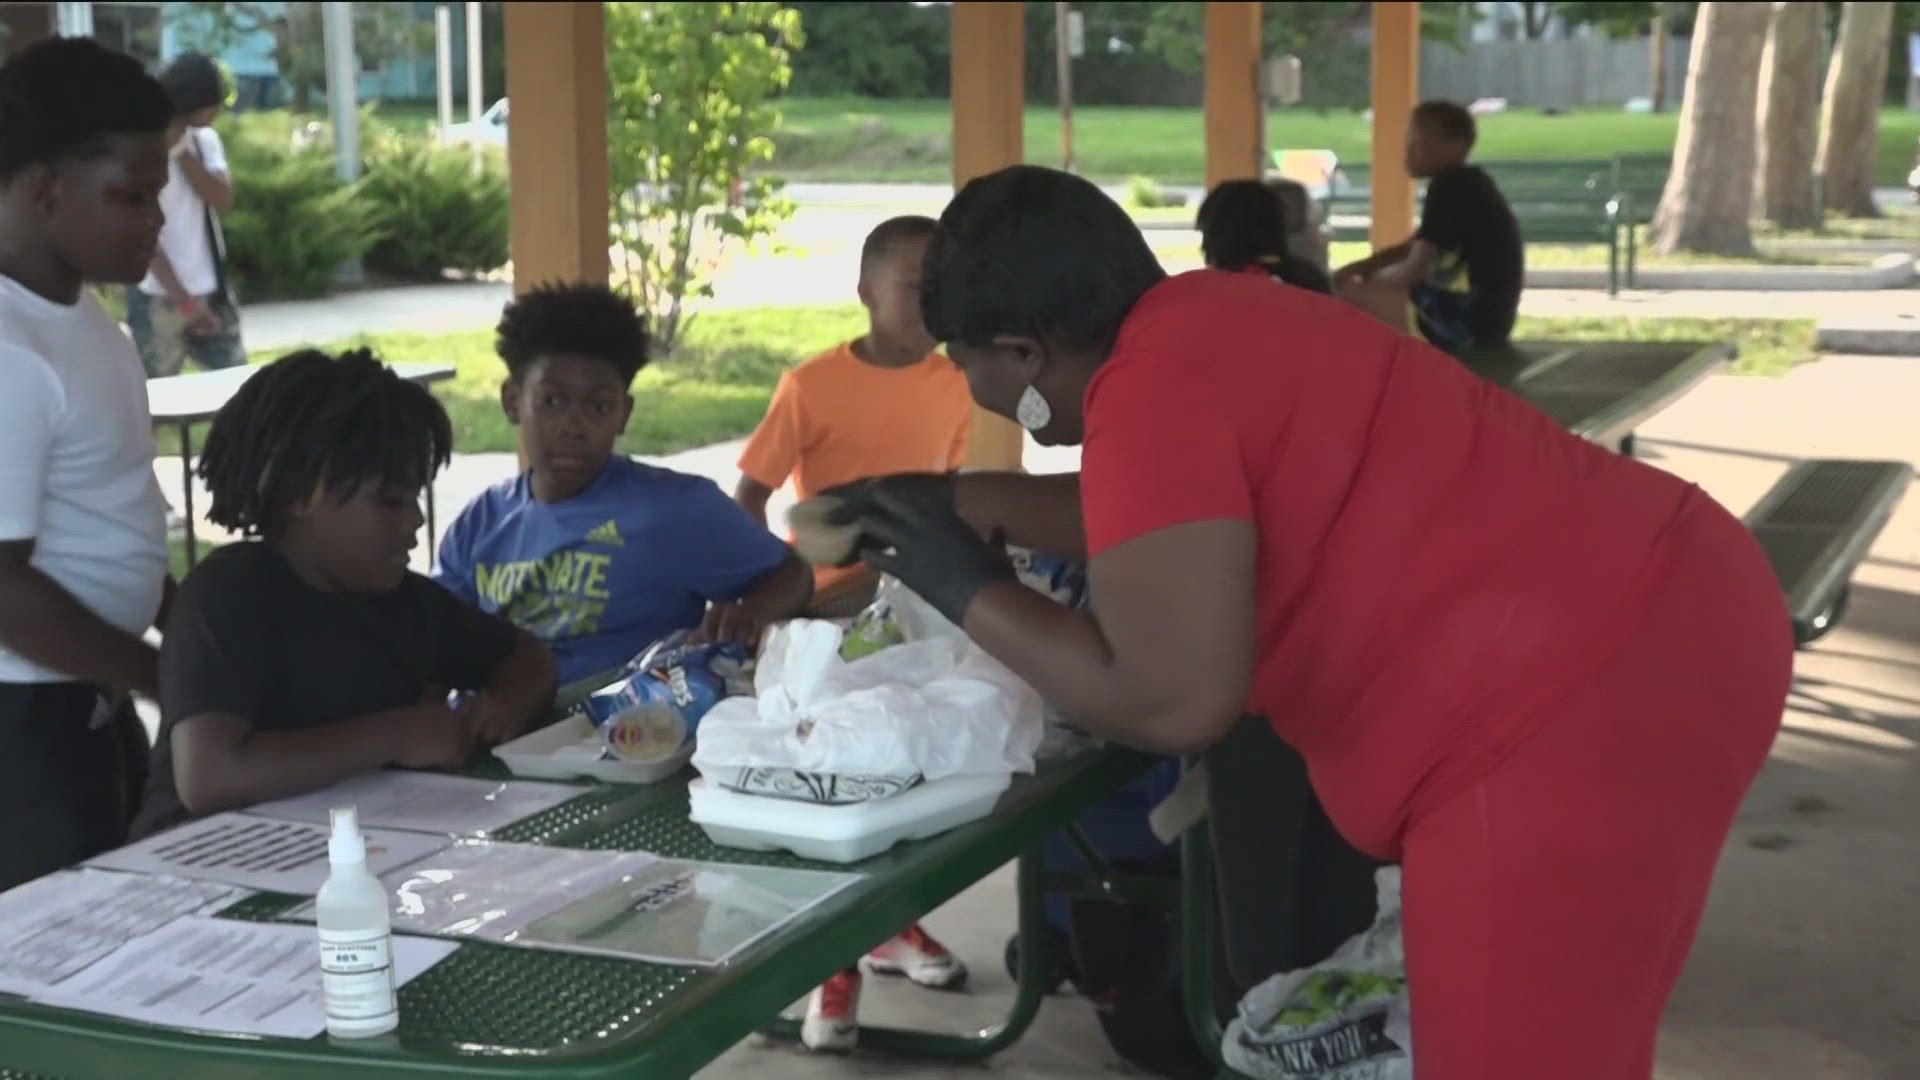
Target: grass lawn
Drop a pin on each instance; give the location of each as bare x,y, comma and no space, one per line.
860,139
1767,346
717,386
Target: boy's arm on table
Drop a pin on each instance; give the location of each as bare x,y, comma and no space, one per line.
519,692
222,762
43,622
780,594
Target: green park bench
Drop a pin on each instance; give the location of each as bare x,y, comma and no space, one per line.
1572,201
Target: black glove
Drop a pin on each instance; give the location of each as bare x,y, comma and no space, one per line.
857,498
910,529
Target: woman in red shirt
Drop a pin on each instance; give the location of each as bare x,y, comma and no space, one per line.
1538,674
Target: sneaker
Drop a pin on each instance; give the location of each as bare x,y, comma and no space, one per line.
914,953
832,1024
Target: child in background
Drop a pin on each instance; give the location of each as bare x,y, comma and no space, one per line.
1243,230
885,402
1463,269
183,308
594,553
312,654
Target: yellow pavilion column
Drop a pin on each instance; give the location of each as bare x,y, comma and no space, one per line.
1234,122
1396,89
557,146
989,133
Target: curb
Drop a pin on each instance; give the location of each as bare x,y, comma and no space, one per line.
1890,271
1880,337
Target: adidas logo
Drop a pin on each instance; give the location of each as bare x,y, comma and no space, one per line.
608,534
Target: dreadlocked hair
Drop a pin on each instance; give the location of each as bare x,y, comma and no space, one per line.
309,421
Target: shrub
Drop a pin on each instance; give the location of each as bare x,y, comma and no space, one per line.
1145,193
434,208
294,222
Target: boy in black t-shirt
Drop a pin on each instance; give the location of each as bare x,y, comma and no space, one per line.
312,654
1463,268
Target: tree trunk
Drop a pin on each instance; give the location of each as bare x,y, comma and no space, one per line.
1850,120
1657,38
1783,183
1709,191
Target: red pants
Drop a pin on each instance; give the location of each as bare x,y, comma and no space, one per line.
1550,908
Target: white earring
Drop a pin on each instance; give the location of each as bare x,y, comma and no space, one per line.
1033,412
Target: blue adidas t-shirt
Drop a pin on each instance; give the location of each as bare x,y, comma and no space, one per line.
601,576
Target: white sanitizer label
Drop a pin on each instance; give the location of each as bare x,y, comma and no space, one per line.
356,974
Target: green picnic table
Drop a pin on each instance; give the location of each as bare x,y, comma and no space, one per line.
502,1011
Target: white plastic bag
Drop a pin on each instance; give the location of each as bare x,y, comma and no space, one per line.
921,710
1344,1018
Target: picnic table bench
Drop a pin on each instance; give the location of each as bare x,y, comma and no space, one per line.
181,401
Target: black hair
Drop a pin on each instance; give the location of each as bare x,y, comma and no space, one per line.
63,98
576,318
194,82
1242,223
1034,251
1451,120
890,232
309,421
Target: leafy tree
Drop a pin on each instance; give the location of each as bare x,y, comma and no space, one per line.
691,107
882,50
381,32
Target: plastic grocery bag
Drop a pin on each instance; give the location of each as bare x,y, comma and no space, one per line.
919,710
1344,1018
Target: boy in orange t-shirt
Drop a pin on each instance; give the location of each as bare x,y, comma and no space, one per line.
883,403
828,425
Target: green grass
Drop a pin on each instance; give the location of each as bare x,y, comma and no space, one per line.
716,387
858,139
1767,346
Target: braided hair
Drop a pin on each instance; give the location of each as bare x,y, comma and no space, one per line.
309,421
63,98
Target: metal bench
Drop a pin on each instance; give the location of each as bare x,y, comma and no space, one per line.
1816,525
1603,390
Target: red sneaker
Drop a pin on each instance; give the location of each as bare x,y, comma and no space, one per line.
832,1024
914,953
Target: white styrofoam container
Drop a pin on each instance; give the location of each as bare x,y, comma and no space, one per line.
571,748
847,832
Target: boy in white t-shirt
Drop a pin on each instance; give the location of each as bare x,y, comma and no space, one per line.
183,308
83,556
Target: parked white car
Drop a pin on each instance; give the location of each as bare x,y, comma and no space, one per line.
491,129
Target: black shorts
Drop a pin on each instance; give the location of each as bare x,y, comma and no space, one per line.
67,788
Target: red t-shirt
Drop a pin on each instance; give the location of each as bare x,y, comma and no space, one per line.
1438,562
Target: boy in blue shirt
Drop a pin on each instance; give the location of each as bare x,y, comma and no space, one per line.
594,553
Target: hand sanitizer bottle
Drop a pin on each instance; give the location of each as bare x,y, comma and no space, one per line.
356,938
